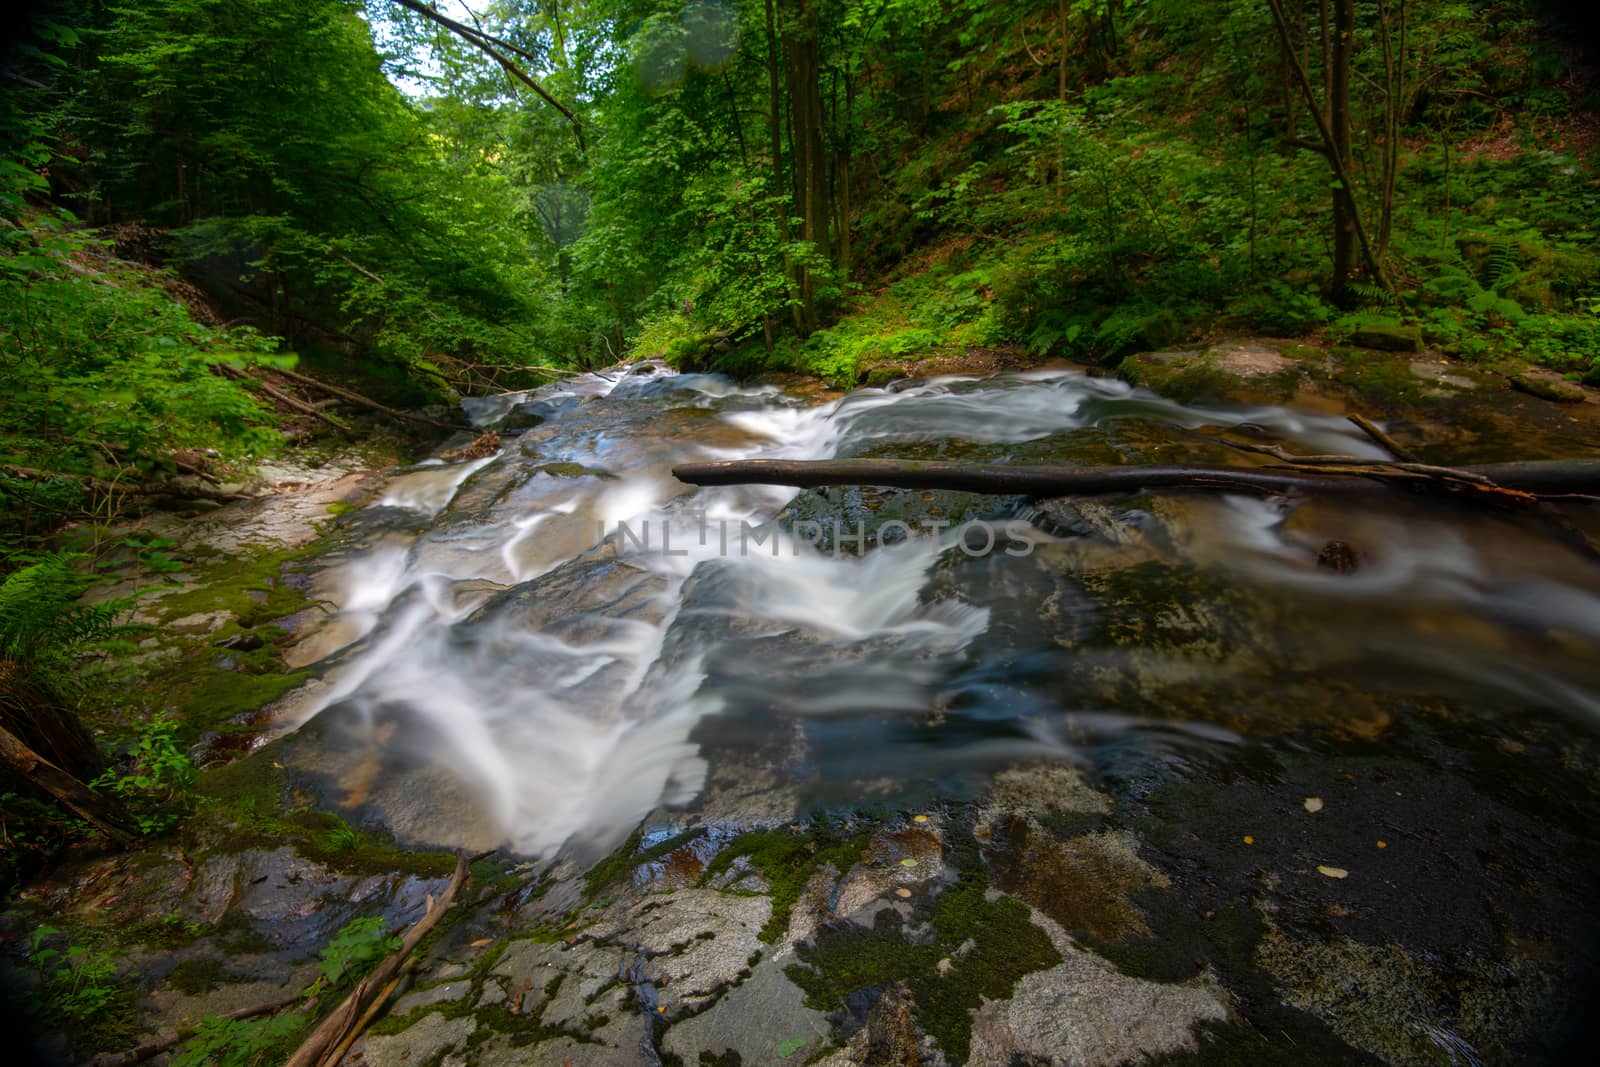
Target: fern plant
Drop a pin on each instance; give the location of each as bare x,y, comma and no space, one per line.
42,621
43,627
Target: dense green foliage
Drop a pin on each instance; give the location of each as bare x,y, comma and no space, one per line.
824,183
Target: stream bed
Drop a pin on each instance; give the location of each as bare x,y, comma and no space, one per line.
863,776
1335,757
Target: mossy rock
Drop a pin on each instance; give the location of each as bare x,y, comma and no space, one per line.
1547,388
1389,338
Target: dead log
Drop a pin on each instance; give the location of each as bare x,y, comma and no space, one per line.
334,1032
356,398
103,813
1543,478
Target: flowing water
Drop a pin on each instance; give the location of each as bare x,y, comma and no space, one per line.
537,649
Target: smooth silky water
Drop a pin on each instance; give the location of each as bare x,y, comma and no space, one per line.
536,650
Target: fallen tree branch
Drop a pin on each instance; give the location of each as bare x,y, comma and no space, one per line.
356,398
372,1012
1544,478
1352,464
103,813
284,398
330,1036
1395,448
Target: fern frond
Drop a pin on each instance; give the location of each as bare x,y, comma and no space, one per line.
1502,264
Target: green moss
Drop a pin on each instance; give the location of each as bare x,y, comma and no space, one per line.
1545,389
573,470
1187,381
250,802
212,688
237,934
219,697
787,861
1005,946
1379,377
169,932
199,974
249,586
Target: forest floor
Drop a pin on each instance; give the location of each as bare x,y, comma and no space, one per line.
1052,921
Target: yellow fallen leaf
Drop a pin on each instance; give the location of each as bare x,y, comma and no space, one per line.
1249,840
483,941
1313,804
903,893
661,1009
908,862
1383,844
920,818
1334,872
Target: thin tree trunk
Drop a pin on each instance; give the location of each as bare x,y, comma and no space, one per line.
775,123
738,127
1344,204
1344,191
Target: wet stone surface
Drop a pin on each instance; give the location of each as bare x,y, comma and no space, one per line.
1180,784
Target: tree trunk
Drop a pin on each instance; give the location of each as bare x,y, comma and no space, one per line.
1344,207
1335,145
37,718
810,158
103,813
775,124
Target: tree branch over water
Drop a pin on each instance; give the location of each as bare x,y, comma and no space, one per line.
496,49
1506,482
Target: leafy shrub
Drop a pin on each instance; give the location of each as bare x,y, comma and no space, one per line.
76,983
358,945
158,787
240,1042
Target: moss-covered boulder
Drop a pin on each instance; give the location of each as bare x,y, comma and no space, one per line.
1388,338
1547,387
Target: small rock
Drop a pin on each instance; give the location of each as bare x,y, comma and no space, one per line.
199,622
1338,557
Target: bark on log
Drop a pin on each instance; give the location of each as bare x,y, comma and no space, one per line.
322,1046
102,813
1581,476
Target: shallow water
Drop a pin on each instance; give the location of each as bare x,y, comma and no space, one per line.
538,649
